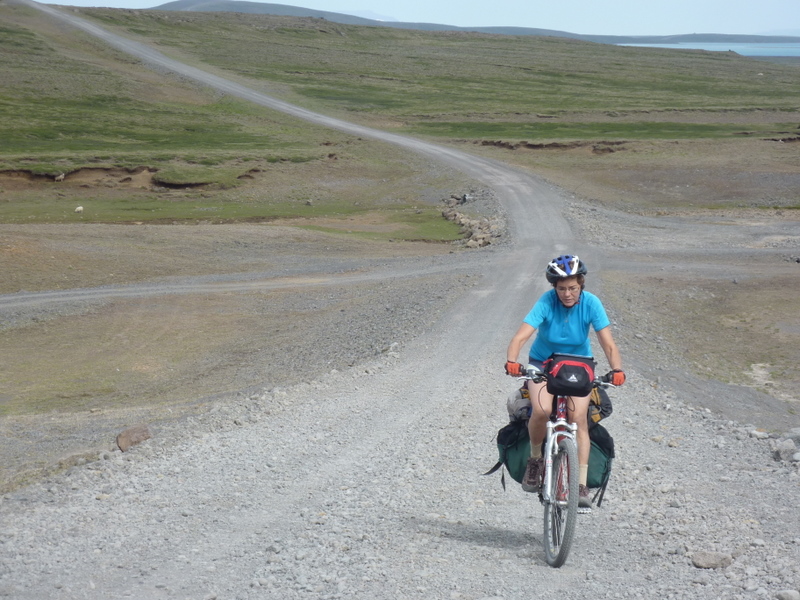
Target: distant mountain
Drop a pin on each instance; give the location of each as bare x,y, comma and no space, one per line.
790,32
368,14
242,6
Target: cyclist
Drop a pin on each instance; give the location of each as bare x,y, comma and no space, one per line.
562,317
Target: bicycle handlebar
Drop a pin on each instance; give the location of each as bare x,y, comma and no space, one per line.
536,375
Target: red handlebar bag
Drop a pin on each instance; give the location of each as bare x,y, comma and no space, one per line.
570,374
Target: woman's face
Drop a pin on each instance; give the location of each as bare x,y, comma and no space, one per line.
569,291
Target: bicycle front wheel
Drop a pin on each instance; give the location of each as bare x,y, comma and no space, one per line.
561,512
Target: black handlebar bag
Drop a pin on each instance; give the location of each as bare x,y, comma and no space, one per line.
570,374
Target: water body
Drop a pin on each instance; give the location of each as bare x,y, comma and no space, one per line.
785,49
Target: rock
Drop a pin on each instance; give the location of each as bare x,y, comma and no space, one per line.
788,595
478,231
711,560
133,436
784,449
702,579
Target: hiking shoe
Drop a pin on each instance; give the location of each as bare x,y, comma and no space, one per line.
584,501
532,480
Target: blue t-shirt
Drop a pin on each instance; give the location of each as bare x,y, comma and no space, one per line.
562,329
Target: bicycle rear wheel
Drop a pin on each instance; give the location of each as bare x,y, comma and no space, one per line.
561,512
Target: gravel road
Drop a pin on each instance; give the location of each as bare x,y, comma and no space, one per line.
366,482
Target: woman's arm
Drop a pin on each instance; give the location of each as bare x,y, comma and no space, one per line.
523,334
609,348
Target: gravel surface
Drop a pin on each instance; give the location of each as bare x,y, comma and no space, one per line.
359,486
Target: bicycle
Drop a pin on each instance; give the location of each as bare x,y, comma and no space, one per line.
559,488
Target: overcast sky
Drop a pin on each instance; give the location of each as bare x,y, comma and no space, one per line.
613,17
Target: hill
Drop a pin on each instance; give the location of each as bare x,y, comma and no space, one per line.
243,6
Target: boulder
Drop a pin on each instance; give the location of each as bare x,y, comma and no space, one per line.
784,449
711,560
133,436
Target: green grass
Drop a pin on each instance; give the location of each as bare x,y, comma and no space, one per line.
82,104
123,127
412,223
417,75
437,83
101,209
597,131
69,103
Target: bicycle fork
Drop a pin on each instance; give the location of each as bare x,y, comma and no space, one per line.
555,432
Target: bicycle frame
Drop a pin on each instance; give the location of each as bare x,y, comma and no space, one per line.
556,430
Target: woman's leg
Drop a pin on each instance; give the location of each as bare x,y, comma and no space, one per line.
541,406
578,413
537,428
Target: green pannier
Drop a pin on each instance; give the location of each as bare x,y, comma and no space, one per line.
514,449
601,456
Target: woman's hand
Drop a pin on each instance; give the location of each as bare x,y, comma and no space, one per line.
615,377
514,368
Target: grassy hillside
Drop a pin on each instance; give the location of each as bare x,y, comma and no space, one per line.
140,146
64,93
263,8
71,102
558,105
413,75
